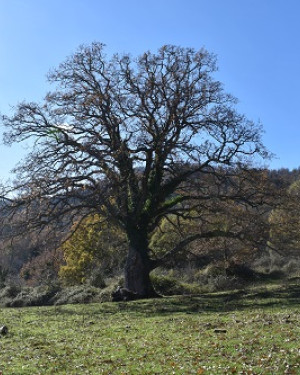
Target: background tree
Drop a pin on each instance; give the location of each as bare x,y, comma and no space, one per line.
285,222
42,269
95,249
28,256
231,227
132,140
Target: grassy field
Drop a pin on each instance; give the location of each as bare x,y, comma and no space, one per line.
255,331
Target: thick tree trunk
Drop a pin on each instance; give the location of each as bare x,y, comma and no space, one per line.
138,268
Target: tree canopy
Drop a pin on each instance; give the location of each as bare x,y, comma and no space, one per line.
135,140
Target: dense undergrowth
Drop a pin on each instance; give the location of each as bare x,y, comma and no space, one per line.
166,282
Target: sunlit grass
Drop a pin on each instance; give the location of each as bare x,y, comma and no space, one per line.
221,333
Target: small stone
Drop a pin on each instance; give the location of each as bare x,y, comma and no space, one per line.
220,331
3,330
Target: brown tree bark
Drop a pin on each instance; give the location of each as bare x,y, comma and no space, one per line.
138,267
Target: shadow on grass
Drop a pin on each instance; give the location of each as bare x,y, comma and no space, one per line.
259,296
278,295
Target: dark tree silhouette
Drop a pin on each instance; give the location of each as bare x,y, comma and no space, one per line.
134,140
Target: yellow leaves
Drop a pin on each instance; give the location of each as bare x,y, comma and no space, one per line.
92,243
200,371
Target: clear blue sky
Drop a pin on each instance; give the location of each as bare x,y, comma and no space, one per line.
257,43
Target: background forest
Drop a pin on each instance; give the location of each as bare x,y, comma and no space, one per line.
35,269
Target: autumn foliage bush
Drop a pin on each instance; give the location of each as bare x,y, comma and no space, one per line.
94,251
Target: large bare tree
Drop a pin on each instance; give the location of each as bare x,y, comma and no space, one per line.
134,140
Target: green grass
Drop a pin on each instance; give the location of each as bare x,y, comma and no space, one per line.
251,332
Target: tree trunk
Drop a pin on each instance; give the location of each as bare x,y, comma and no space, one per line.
138,268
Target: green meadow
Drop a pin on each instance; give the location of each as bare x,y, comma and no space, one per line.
255,331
